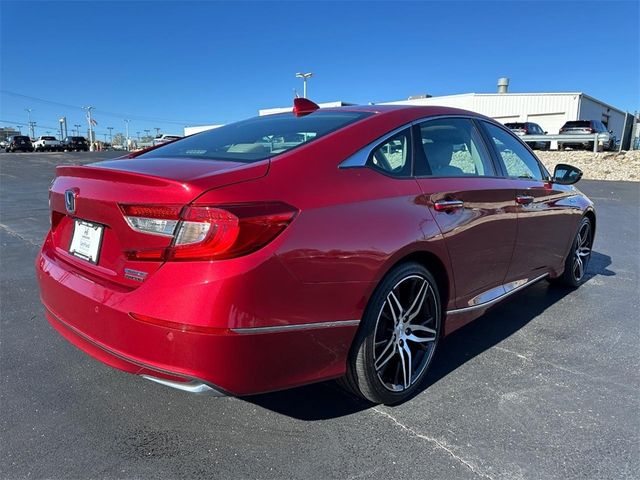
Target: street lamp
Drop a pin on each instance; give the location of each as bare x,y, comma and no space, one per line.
126,121
77,125
110,134
157,131
304,77
147,132
31,124
90,120
19,127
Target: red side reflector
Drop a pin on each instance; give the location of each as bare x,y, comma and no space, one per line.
182,327
303,106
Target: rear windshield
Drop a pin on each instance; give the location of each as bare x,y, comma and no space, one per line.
48,138
257,138
21,137
515,126
578,124
78,139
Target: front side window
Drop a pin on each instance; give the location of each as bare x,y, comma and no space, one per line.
451,147
257,138
394,155
517,160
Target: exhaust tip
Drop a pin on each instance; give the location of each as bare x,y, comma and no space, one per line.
193,386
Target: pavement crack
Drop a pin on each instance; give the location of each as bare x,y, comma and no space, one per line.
15,234
434,441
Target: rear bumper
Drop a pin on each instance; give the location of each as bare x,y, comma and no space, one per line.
225,356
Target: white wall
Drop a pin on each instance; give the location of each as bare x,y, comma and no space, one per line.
198,129
592,109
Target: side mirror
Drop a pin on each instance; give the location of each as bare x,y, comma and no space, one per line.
565,174
545,132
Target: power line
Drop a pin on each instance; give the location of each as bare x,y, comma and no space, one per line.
102,112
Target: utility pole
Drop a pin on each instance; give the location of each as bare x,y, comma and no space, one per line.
91,139
31,127
77,125
157,132
110,134
126,121
304,77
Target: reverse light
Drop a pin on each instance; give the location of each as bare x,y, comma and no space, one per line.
153,219
210,232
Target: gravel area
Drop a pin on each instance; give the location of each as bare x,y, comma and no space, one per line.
597,166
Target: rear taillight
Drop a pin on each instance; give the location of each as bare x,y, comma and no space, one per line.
213,232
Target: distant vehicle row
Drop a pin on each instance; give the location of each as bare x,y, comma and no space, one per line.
575,127
22,143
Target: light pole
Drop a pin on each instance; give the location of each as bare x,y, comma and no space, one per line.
126,122
90,120
19,127
157,132
138,135
147,132
31,127
304,77
110,134
77,125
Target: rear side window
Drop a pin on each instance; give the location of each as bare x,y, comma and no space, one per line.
257,138
394,155
517,160
451,147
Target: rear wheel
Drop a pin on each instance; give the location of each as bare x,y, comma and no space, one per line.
575,266
397,338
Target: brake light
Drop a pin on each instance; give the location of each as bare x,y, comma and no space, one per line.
213,232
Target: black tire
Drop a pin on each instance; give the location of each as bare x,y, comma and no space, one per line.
406,302
577,261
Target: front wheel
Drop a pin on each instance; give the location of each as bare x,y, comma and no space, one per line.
397,338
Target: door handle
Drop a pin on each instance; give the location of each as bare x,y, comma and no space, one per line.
447,205
524,199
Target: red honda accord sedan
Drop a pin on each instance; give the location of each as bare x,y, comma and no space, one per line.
294,248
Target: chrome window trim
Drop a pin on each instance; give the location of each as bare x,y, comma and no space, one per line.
360,158
295,327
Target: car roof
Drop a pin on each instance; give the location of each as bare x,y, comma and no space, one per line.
411,110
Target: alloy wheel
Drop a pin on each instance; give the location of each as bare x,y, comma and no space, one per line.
406,333
582,251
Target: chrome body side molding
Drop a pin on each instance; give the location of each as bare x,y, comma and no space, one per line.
296,328
495,295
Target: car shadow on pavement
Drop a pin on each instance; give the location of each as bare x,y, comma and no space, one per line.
327,400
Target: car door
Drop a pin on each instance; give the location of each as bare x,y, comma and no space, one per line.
546,214
474,209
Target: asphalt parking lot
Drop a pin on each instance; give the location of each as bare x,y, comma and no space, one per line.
546,385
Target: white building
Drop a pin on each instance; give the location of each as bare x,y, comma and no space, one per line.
199,128
549,110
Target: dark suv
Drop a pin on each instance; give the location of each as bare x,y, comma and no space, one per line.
75,144
586,127
529,128
20,143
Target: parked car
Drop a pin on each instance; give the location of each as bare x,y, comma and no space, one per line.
75,144
237,261
47,144
18,143
529,128
587,127
165,138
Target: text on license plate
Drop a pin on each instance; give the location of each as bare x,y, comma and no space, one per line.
86,240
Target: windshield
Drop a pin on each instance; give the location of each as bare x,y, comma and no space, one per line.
578,124
257,138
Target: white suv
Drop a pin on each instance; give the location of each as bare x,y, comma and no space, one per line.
47,144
